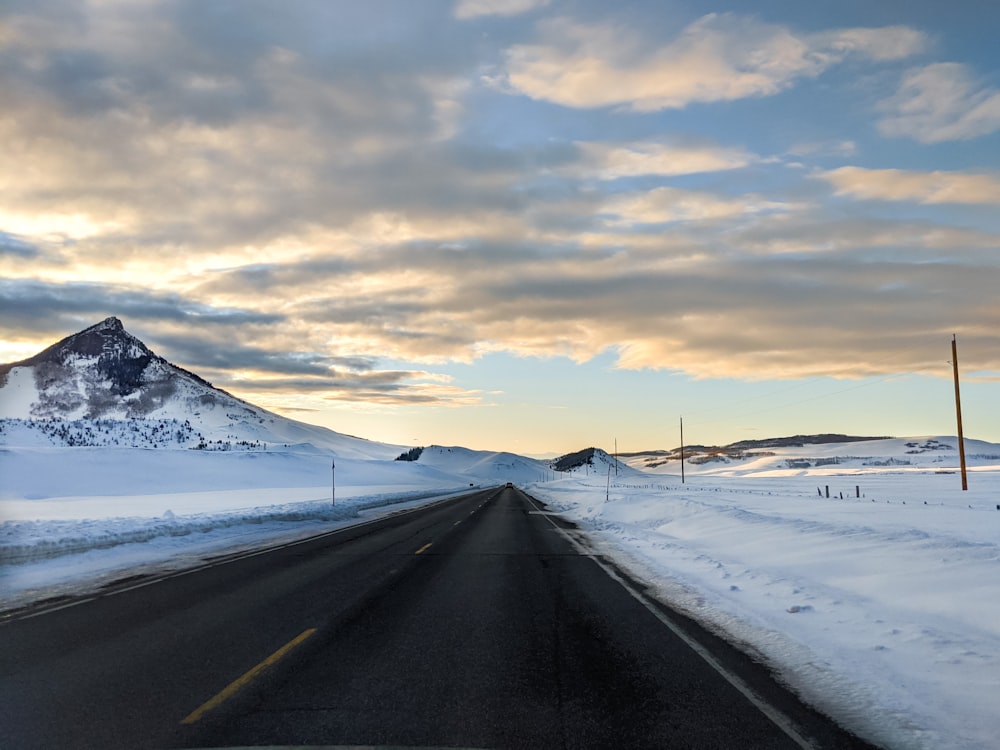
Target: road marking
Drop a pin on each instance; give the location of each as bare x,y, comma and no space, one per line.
424,548
241,682
15,616
782,722
457,522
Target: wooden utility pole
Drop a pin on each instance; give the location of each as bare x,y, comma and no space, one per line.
682,450
958,412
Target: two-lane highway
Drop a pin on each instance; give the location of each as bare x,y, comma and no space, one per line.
477,622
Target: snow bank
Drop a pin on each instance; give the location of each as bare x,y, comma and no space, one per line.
880,609
45,559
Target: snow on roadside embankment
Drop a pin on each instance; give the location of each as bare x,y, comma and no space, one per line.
71,519
882,610
46,559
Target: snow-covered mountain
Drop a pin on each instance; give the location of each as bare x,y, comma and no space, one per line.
101,397
104,387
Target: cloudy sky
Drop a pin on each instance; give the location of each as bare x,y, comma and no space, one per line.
521,224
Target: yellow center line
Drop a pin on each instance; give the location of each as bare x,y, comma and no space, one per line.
241,682
424,548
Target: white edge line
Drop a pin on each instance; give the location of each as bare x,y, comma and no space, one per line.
779,719
53,609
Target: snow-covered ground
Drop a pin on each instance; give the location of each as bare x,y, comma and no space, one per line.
881,609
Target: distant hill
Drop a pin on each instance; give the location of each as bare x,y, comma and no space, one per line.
574,460
821,454
699,454
589,457
703,453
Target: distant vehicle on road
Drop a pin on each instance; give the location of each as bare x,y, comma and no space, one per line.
510,484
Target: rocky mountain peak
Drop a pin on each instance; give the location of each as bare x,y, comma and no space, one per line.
107,340
110,324
90,372
103,381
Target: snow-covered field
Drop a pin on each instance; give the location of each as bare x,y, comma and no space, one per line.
881,609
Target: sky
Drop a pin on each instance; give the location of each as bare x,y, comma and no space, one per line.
530,225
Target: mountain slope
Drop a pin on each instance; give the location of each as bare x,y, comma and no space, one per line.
105,378
102,371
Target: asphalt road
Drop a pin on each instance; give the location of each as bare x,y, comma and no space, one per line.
479,622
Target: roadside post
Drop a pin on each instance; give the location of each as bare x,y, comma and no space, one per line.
333,482
958,412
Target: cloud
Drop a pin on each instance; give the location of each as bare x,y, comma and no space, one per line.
883,44
941,102
466,9
311,375
609,161
321,201
855,240
202,338
275,369
221,127
664,205
12,244
216,351
840,148
928,188
40,305
384,388
736,315
719,57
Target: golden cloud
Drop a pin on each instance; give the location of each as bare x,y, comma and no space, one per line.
933,187
720,57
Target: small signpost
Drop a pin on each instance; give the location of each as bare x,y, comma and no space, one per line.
333,482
